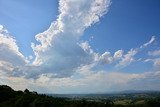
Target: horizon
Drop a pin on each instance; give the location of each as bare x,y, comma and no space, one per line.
79,46
95,93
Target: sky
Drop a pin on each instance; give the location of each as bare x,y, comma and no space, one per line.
80,46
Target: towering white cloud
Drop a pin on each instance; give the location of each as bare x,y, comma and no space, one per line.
58,51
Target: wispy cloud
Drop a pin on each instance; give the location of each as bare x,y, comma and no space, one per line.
149,42
154,53
9,51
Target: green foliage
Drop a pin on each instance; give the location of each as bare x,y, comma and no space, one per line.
11,98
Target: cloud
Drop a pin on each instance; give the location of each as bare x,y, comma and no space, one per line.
149,42
108,58
6,40
10,56
154,61
154,53
148,81
59,52
82,83
147,60
119,58
157,62
118,54
104,58
128,58
154,58
74,18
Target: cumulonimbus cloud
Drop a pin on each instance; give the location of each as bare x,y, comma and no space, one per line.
58,52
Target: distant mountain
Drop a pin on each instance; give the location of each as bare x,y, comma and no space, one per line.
136,91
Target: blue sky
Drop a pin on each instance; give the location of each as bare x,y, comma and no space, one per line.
87,41
135,21
25,19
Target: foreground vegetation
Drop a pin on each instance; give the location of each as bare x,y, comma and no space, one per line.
11,98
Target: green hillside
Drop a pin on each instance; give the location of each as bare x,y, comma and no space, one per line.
11,98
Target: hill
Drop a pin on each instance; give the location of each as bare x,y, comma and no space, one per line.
11,98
